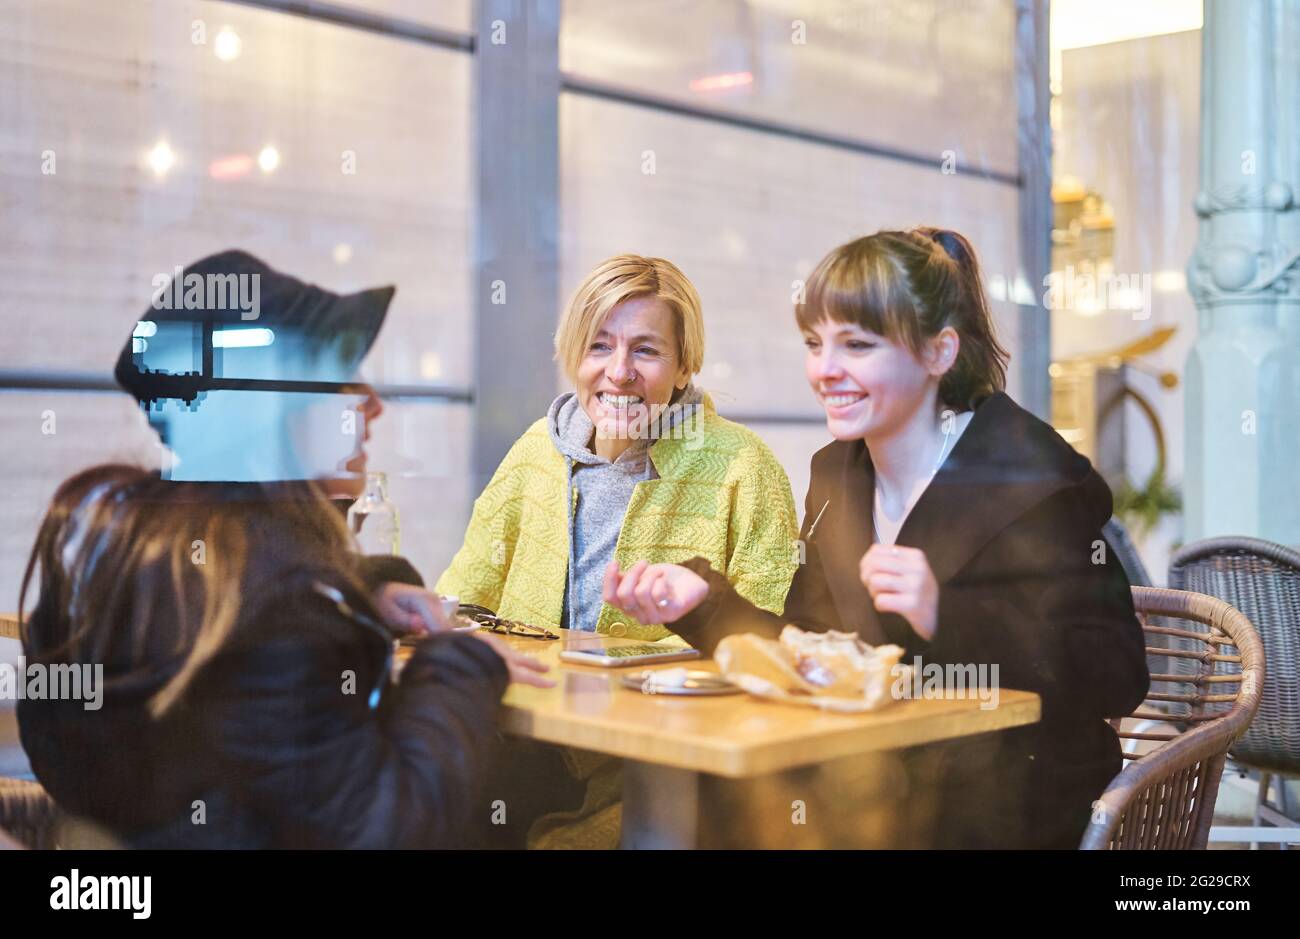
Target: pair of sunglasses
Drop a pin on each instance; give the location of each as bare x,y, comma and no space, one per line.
506,627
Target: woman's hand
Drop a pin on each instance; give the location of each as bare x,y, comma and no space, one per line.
410,609
900,581
654,593
524,669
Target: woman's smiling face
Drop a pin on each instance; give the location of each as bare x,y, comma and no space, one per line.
631,365
869,385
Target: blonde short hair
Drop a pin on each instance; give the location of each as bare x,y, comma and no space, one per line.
625,277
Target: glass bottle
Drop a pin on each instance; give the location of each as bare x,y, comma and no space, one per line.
373,518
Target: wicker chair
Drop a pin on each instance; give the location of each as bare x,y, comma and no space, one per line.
1121,545
1126,552
27,813
1262,579
1165,798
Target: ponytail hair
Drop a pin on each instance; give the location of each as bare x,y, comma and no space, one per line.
907,286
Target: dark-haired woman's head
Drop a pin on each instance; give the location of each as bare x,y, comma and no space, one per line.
149,576
894,322
152,574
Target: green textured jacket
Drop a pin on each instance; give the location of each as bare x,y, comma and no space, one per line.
721,495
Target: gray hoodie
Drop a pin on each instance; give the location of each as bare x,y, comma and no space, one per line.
599,492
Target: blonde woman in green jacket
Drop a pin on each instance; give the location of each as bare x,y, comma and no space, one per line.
633,464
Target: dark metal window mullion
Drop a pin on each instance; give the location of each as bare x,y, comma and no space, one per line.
205,368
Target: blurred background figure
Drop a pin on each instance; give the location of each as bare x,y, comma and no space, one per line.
248,375
247,694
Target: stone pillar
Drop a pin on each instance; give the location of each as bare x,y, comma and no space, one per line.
1243,374
517,297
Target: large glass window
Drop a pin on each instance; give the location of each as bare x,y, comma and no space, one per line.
140,136
909,118
337,143
454,15
747,215
914,77
301,146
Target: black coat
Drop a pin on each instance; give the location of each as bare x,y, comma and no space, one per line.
1011,527
273,745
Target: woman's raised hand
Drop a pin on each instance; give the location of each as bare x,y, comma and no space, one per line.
900,581
654,593
410,609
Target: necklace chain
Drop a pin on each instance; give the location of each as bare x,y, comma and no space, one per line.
943,451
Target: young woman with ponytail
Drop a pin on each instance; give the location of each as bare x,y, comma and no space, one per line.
950,521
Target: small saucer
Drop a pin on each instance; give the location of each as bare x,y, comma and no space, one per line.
697,683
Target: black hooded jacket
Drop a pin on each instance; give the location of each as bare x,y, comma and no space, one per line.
1011,527
294,736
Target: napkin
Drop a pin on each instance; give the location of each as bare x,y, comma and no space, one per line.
664,678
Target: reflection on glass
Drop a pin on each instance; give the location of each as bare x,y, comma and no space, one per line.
250,375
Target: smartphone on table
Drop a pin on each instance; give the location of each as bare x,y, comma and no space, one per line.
593,652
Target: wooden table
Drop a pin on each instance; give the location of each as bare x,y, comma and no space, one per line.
670,742
673,745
